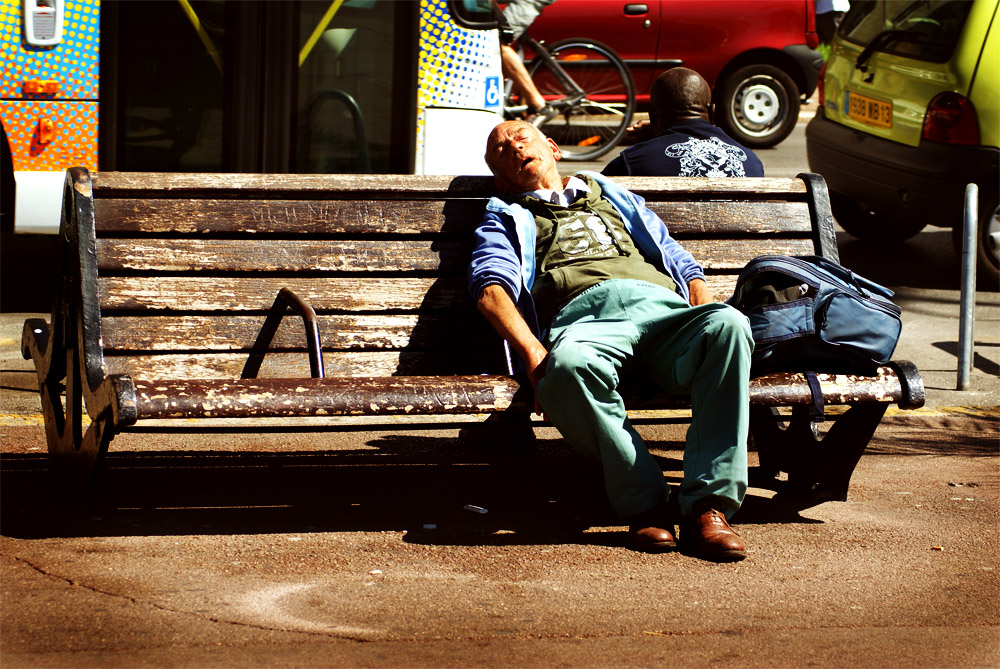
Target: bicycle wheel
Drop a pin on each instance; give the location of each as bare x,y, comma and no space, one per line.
594,114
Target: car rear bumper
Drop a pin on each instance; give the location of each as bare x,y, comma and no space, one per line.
926,182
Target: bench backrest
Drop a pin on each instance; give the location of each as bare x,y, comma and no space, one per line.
189,264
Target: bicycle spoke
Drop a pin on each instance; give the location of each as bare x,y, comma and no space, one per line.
608,108
591,125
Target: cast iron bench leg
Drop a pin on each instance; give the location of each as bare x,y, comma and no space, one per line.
819,466
75,453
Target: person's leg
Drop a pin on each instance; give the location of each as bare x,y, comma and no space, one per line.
704,351
591,342
513,69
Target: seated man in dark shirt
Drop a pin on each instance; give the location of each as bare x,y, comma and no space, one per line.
686,144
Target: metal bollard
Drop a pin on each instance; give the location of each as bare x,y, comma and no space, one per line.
967,317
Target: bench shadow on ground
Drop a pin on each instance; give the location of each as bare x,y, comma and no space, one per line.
544,495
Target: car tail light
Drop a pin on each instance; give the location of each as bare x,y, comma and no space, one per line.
812,40
820,86
951,118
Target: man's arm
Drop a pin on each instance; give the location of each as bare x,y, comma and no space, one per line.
616,168
495,304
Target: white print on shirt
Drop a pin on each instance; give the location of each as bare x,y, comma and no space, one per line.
587,235
708,158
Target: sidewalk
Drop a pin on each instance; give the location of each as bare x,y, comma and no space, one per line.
354,549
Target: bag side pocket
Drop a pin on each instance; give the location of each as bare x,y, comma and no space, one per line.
841,316
779,322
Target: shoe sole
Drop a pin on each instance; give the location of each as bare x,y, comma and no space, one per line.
658,547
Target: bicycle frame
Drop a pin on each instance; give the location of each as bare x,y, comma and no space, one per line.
541,52
586,117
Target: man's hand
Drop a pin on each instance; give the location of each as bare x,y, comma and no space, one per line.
536,372
640,131
699,293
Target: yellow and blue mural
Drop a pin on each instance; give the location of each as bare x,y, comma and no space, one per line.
458,68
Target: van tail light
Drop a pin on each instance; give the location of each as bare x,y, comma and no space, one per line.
820,85
951,119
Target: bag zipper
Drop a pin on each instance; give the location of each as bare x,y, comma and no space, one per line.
809,273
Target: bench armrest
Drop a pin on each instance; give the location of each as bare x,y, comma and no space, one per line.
286,298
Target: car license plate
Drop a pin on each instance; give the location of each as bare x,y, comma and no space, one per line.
869,110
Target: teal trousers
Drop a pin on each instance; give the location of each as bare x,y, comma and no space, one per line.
625,326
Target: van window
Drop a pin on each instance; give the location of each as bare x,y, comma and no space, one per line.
475,14
925,30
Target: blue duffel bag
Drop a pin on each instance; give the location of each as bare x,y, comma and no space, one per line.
808,313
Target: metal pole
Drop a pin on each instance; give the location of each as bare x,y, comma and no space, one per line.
965,337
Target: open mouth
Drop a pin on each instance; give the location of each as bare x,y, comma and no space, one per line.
524,163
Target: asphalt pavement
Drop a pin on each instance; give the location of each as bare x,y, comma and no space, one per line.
357,547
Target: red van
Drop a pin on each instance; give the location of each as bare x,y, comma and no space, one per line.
758,56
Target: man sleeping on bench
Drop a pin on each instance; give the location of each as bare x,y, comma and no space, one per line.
586,285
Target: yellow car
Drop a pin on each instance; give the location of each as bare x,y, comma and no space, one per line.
910,114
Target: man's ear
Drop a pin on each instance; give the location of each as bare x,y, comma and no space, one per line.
711,113
557,154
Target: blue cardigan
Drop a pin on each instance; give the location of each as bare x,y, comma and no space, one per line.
504,252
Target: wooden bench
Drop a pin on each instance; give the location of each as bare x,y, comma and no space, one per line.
170,297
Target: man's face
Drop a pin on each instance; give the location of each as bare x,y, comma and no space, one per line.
522,159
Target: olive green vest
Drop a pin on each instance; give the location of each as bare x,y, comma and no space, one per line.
579,246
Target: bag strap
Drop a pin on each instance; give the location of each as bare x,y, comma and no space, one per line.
817,396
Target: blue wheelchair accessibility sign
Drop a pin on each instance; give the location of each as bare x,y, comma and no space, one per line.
492,92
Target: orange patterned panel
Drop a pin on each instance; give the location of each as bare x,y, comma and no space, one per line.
73,134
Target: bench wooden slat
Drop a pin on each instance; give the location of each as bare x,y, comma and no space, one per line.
258,293
283,364
323,397
732,255
389,186
294,217
248,255
398,217
338,294
733,219
721,286
251,186
410,395
200,256
734,189
443,332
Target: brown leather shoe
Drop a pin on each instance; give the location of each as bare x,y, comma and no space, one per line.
707,535
652,531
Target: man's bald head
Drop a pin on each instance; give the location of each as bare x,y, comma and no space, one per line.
679,93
